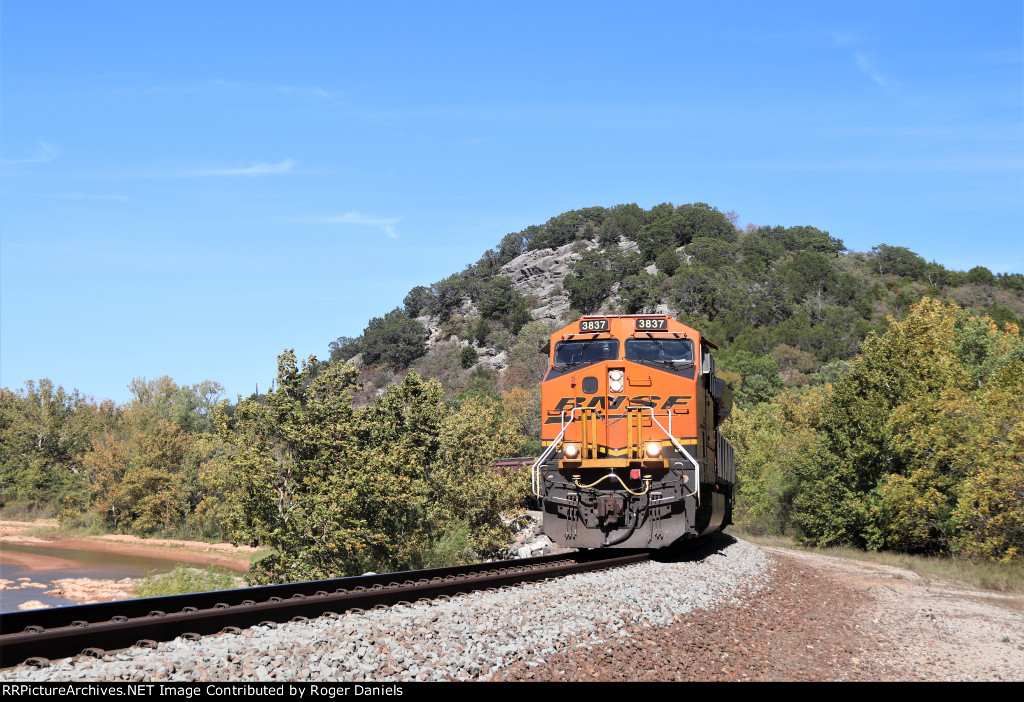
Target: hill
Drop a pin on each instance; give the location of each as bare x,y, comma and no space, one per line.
788,305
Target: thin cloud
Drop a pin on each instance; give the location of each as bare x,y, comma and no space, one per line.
868,68
45,153
306,90
842,38
254,170
384,224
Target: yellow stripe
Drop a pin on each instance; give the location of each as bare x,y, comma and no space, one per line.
623,451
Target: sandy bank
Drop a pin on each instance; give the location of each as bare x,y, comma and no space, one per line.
195,552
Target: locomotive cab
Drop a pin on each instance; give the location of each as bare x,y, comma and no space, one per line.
632,453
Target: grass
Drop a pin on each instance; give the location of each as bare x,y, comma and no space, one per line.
991,577
184,579
260,553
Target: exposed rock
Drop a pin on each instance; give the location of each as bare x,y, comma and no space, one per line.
33,604
494,359
541,273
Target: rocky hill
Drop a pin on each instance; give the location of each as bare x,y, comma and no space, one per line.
785,304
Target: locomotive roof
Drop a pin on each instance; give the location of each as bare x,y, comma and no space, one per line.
673,325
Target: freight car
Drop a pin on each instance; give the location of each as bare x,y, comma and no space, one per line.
633,456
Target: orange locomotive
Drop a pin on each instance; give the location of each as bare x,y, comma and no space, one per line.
633,457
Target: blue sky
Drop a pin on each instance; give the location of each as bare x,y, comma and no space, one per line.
190,188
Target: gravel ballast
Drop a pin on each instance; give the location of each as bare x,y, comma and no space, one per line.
731,611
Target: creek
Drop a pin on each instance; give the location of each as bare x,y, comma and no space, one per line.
52,563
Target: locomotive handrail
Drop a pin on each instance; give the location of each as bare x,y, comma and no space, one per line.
535,470
680,449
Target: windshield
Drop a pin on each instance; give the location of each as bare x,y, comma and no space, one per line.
585,351
660,350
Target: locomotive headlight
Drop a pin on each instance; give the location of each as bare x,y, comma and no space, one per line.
653,449
615,381
571,451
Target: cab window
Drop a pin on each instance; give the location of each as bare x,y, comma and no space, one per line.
574,353
660,350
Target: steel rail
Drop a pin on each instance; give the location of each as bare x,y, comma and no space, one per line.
97,628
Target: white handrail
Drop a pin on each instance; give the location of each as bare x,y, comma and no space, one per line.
535,478
679,447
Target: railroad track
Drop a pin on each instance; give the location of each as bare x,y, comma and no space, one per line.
36,636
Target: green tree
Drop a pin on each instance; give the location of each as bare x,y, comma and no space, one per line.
395,340
897,260
396,485
638,292
589,282
920,441
44,430
416,302
668,262
344,348
700,219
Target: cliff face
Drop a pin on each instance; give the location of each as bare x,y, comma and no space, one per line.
541,273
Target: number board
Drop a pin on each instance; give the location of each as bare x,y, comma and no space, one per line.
593,325
654,323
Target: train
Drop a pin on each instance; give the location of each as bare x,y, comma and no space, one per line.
632,452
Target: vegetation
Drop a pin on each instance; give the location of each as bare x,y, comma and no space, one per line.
184,580
396,485
878,405
918,448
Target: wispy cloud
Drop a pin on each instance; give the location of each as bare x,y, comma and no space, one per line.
868,68
843,38
44,153
306,90
386,225
255,169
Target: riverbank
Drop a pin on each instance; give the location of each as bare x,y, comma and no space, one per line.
44,567
44,532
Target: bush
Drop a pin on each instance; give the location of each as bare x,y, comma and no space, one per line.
395,340
183,580
467,357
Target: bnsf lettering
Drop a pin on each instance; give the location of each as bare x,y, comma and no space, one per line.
676,400
569,402
599,402
617,401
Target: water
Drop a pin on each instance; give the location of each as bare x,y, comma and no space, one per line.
70,563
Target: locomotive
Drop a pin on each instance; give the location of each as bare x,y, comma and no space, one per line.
633,456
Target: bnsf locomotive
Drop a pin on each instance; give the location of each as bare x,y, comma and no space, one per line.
632,453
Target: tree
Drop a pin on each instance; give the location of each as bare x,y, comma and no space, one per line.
897,260
668,262
395,340
344,348
44,430
416,302
589,282
498,298
714,253
138,480
979,275
700,219
397,485
637,293
921,441
660,235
